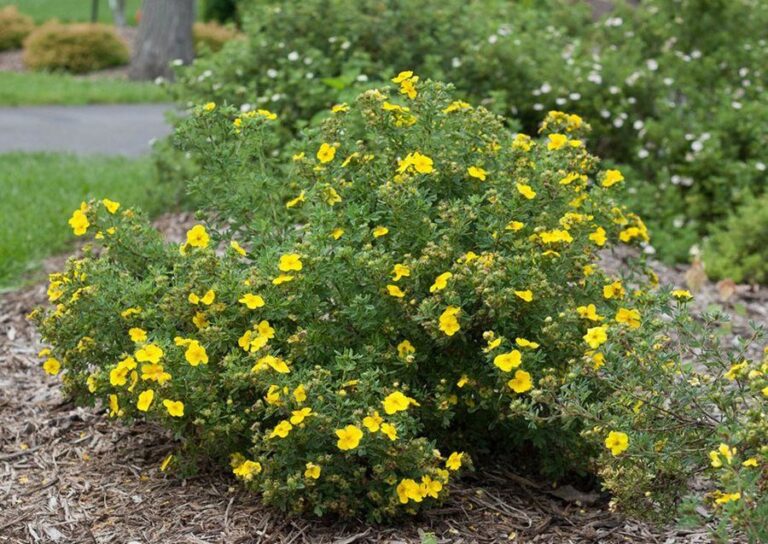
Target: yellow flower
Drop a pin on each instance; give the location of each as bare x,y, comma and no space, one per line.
405,348
137,334
326,153
145,400
282,278
751,462
400,271
523,343
614,290
79,222
407,490
273,395
166,462
196,354
454,461
596,336
338,108
252,301
611,178
247,470
295,201
555,236
457,105
477,173
237,248
209,106
389,431
312,471
298,416
150,353
556,141
430,487
118,376
300,394
397,402
110,205
129,312
598,237
682,294
114,406
330,196
526,190
526,295
155,373
617,442
523,142
175,407
631,318
395,291
589,312
416,161
199,320
378,232
373,422
408,87
402,76
337,233
725,498
270,361
281,429
52,366
197,236
521,382
449,323
440,282
514,226
289,262
349,437
464,380
508,361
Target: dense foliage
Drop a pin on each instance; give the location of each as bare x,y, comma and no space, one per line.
674,89
14,27
78,48
738,249
412,287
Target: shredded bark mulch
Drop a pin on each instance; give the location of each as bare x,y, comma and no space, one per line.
70,475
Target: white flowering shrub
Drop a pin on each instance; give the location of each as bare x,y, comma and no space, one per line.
411,286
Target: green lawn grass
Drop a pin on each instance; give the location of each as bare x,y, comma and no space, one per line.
30,88
70,10
74,10
40,190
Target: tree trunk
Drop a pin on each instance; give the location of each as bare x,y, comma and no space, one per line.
118,12
165,35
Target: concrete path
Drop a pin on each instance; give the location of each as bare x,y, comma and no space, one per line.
98,129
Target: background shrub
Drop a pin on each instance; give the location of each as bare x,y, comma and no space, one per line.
14,27
414,285
77,48
212,36
738,249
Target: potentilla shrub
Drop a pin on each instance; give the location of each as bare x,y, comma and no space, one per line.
414,285
77,48
14,27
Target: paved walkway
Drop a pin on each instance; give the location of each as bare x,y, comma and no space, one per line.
98,129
